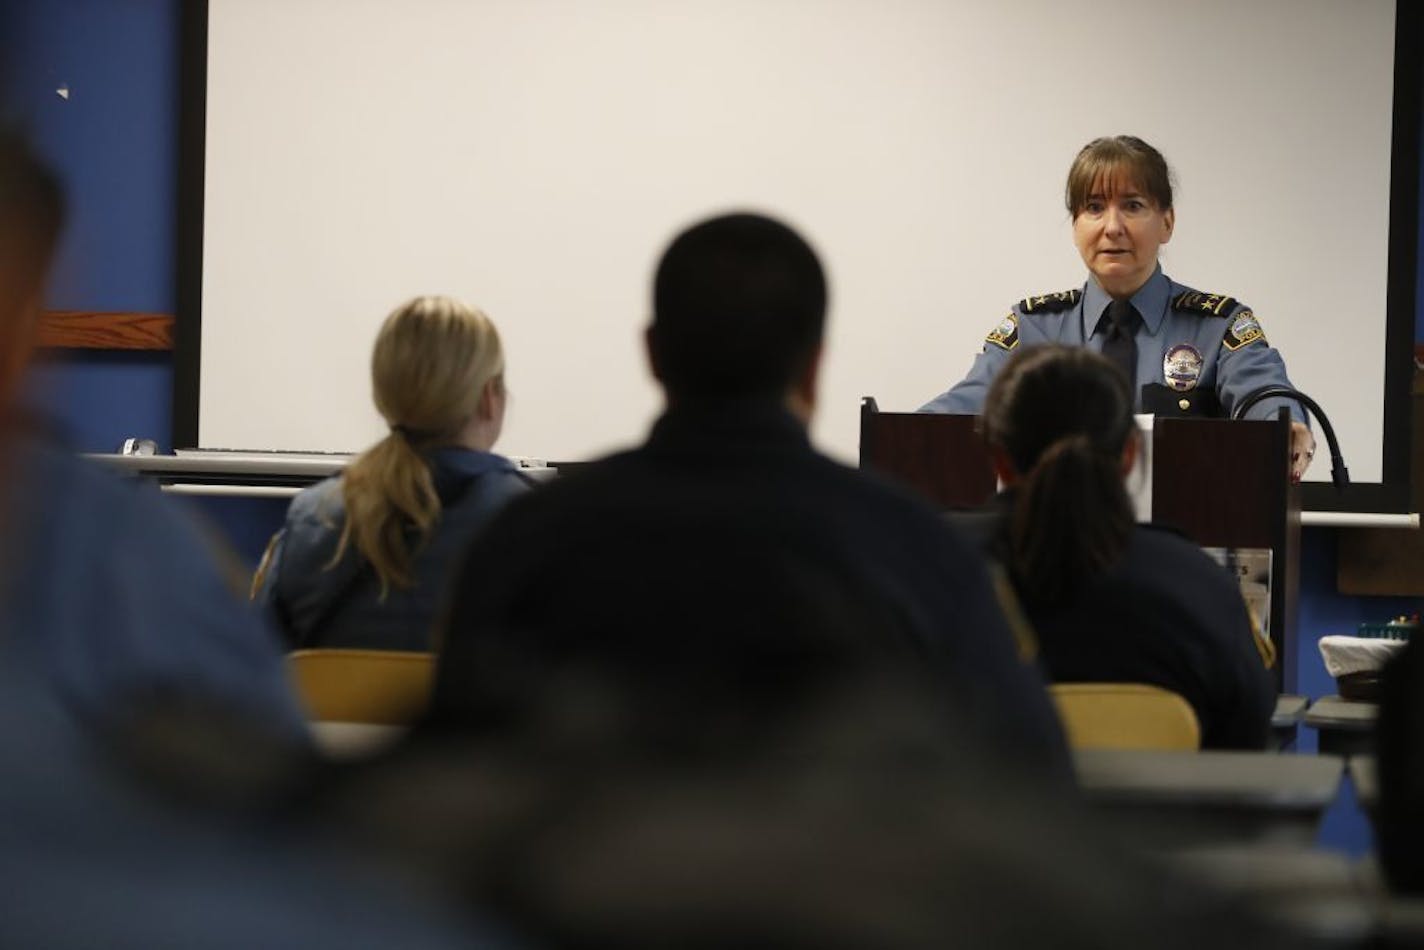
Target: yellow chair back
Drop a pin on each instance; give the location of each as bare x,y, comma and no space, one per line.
1125,716
389,687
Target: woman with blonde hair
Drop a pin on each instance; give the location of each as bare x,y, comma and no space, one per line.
363,557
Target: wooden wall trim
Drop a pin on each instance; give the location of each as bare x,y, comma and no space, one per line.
106,330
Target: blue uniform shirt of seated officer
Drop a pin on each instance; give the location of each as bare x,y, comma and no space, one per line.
1196,353
114,602
363,558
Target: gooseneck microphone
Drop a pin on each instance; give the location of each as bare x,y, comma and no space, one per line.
1339,474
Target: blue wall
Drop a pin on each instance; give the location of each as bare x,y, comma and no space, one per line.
114,141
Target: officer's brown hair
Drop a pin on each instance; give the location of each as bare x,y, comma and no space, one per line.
1104,163
1063,416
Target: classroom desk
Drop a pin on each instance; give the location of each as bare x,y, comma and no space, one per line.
1364,776
1285,720
1284,872
1178,799
1346,728
353,740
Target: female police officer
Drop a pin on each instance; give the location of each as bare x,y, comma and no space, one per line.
1185,351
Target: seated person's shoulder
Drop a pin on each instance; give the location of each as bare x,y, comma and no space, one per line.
321,503
469,504
574,482
888,496
889,508
507,482
1165,553
90,508
981,527
67,489
310,533
1170,540
567,502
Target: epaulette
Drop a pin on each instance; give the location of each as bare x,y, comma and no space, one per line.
1050,303
1244,329
1197,302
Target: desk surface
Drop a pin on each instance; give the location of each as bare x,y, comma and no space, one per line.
1235,779
1290,709
344,740
1366,780
1332,712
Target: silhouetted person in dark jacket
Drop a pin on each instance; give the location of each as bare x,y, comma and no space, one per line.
652,564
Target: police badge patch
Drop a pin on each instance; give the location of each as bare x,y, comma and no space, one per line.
1182,367
1006,334
1245,328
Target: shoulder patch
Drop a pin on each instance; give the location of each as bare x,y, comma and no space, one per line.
1245,329
1006,334
1195,301
1050,303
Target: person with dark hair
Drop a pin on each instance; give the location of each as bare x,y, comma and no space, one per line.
1184,352
110,595
661,567
1110,600
363,557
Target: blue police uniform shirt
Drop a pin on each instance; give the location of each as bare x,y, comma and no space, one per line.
320,604
1188,341
111,594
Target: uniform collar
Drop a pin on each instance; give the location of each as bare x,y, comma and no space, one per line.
466,462
453,467
1151,301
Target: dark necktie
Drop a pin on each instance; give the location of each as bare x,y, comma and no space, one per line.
1121,345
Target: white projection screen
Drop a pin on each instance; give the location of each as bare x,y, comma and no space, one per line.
534,156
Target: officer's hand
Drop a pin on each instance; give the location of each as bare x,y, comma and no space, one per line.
1302,450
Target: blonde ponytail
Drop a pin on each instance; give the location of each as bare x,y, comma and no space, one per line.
432,360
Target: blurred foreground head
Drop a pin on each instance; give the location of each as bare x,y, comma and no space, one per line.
31,217
739,304
859,818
